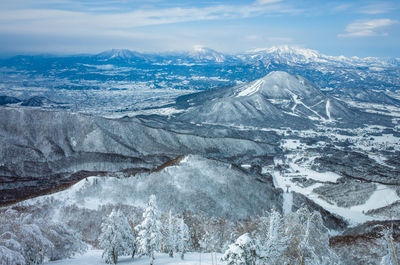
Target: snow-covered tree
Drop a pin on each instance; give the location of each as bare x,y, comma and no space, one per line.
10,257
10,250
390,257
308,239
170,241
183,237
35,246
271,241
149,236
116,237
66,242
217,235
134,242
36,238
242,252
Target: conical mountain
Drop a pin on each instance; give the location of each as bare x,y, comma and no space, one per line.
276,100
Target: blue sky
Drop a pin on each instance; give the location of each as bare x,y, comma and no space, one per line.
350,28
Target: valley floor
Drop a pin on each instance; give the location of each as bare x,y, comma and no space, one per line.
93,257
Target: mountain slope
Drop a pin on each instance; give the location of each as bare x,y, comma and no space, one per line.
196,184
49,146
277,100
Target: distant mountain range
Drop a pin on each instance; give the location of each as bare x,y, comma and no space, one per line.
360,79
277,54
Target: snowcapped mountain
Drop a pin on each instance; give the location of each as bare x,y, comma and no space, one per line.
199,69
120,54
285,54
205,54
276,100
295,55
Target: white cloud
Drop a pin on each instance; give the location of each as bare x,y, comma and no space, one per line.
376,8
267,2
366,28
62,22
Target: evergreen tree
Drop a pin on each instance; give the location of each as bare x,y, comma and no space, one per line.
149,234
242,252
116,237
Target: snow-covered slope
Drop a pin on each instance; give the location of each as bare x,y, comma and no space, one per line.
197,184
276,100
49,146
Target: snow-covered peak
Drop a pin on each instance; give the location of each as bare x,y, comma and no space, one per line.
118,53
287,54
202,53
279,84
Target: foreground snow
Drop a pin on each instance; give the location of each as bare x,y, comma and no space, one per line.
93,257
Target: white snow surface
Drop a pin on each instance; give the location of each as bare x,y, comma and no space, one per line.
251,89
93,257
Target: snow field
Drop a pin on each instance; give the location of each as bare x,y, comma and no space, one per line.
93,257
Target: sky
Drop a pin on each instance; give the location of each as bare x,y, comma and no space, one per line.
352,28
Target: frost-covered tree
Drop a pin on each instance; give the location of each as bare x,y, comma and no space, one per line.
35,246
116,237
390,257
170,240
10,250
217,235
36,238
149,236
242,252
134,242
308,239
271,241
183,237
10,257
66,242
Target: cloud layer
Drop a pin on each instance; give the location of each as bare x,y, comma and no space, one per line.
367,28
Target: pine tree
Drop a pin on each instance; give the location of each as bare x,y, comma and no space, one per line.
116,237
242,252
183,237
149,234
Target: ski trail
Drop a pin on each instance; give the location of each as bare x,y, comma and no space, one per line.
297,101
327,109
251,89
